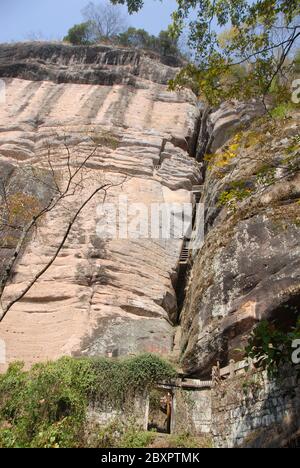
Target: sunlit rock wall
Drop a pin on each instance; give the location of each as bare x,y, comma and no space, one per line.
100,297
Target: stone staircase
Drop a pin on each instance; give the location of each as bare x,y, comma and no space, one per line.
197,192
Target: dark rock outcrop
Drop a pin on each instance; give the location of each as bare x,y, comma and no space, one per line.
102,65
249,266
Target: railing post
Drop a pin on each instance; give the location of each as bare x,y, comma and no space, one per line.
215,375
231,368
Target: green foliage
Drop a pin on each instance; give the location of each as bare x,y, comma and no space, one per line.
270,347
266,175
294,147
46,406
253,40
282,111
163,44
79,34
119,434
292,159
101,28
252,385
254,138
186,440
108,436
154,398
17,211
220,161
183,441
133,5
107,139
19,208
117,381
133,438
138,38
238,192
280,91
290,163
166,44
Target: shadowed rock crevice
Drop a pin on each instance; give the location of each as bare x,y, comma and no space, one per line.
248,269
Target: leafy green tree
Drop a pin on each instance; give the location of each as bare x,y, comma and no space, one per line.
167,44
79,34
164,44
262,36
138,38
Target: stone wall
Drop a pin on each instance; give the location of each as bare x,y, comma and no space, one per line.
191,411
136,413
254,411
248,410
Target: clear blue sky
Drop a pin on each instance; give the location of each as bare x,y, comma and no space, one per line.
53,18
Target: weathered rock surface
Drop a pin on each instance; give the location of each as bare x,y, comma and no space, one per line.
109,297
116,297
104,65
218,125
249,266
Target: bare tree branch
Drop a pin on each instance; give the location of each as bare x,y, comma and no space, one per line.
59,194
106,20
103,188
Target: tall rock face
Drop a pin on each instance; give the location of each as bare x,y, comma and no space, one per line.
249,266
218,125
101,296
114,296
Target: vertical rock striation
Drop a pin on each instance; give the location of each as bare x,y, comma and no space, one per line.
100,297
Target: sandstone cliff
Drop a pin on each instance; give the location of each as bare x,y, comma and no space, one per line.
118,297
100,297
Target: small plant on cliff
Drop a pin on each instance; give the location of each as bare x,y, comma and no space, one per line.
292,159
283,110
106,139
16,210
221,162
266,175
252,385
238,192
271,348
